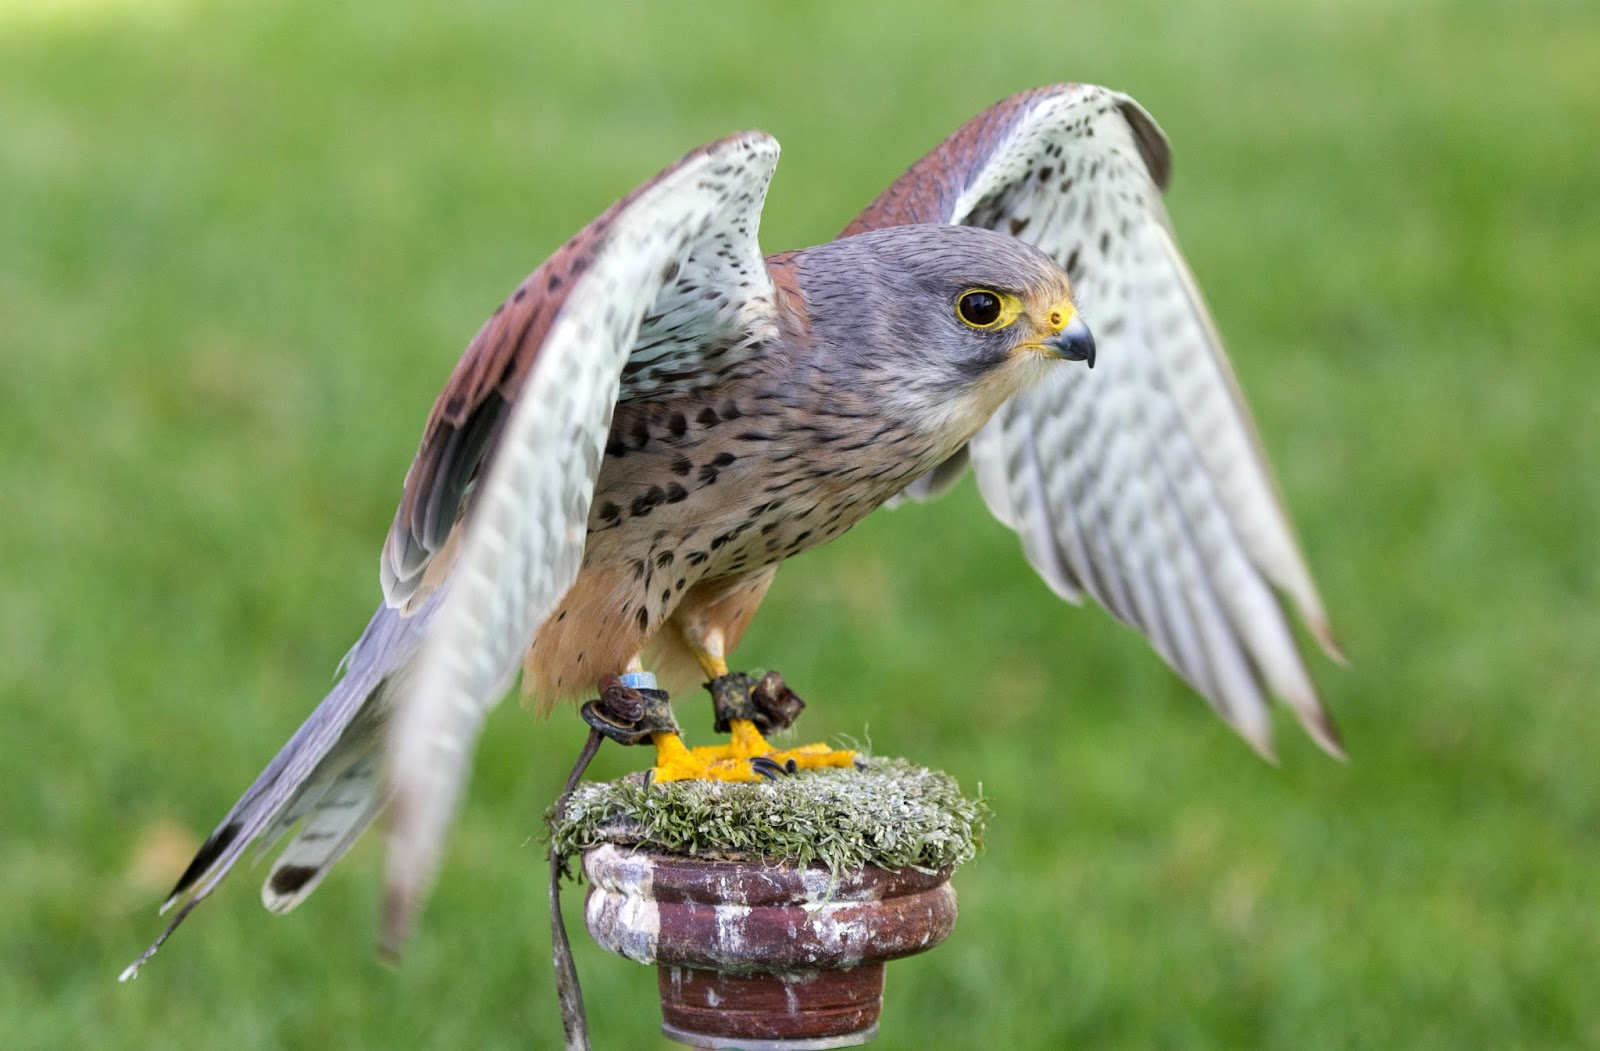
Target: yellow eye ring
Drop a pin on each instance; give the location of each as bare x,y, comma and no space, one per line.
985,309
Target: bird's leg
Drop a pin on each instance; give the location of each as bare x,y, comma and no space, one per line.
631,711
747,710
751,710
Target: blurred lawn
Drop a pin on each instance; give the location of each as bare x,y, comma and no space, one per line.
240,249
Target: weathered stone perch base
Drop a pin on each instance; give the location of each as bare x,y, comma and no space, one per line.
763,940
753,951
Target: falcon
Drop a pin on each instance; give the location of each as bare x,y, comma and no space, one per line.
659,416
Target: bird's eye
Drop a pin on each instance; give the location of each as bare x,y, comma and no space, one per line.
980,308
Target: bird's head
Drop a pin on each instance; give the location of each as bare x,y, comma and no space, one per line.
949,320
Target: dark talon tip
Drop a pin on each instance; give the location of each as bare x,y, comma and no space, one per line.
860,762
791,766
766,768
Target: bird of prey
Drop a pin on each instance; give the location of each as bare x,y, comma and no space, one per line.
659,416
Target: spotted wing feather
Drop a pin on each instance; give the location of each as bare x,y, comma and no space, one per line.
711,309
624,325
1143,482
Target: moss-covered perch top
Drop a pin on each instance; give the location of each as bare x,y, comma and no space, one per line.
893,814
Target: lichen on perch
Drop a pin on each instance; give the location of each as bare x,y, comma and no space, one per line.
892,814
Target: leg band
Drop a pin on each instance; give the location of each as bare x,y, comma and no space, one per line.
628,715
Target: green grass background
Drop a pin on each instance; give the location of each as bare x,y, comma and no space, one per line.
242,244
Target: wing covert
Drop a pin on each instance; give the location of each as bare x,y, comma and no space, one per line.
712,306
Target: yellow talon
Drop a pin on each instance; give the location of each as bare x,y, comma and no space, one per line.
747,743
675,761
745,740
816,756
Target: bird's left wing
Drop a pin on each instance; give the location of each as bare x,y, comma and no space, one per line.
621,316
1142,482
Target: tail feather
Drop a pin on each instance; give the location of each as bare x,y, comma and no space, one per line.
340,769
330,830
327,772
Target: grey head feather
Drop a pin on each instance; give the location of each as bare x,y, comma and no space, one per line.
885,301
885,338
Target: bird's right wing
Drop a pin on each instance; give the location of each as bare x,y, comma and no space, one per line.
666,290
1141,483
706,310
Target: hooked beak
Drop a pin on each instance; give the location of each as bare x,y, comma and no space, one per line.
1074,342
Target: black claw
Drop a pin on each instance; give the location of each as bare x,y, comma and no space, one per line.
791,766
860,761
767,768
